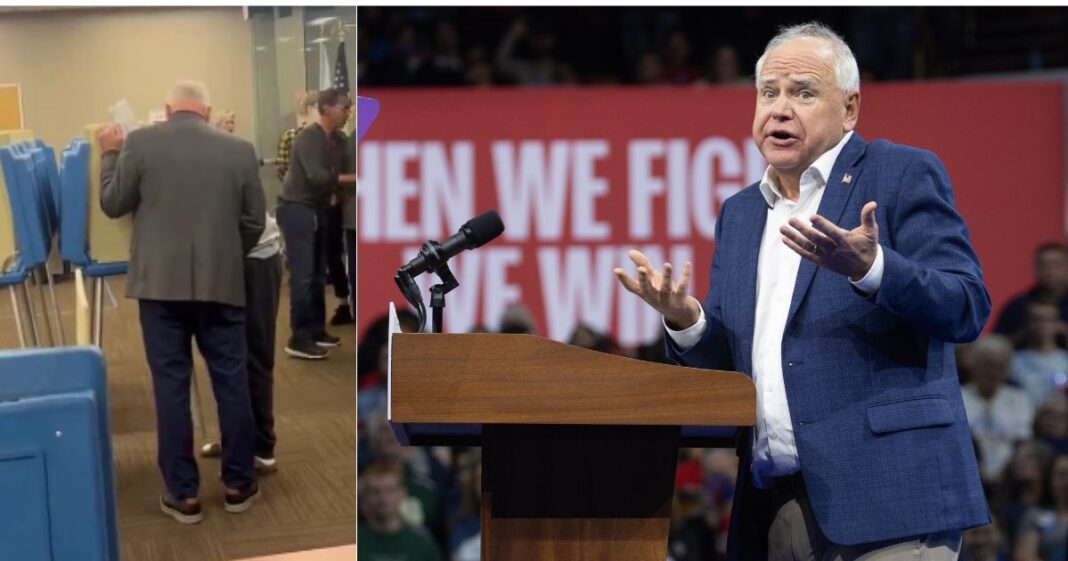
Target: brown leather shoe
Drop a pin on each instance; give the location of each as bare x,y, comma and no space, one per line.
240,501
183,511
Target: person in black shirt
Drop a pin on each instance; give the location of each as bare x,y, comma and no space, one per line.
310,184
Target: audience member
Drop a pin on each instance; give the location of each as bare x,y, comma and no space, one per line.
396,60
648,70
586,337
479,69
227,121
444,66
998,414
1040,366
677,68
383,534
1043,531
1051,282
1051,421
418,468
517,319
539,68
723,68
1022,484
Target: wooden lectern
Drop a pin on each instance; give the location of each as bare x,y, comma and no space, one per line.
579,448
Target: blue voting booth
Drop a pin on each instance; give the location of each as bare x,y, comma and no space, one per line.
56,477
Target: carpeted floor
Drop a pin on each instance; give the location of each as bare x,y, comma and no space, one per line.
310,502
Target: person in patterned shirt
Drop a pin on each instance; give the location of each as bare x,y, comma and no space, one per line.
309,113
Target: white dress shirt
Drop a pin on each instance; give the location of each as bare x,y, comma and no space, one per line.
775,451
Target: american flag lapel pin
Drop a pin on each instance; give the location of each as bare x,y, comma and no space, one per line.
847,179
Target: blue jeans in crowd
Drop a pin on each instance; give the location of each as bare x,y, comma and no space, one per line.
304,232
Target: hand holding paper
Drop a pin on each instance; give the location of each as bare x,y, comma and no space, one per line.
110,138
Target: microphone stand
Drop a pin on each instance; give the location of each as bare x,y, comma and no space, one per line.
438,292
431,252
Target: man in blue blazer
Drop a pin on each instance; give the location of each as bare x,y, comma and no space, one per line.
839,283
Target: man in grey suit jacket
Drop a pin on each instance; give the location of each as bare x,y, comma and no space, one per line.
198,208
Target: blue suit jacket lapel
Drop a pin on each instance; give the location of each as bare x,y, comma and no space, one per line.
836,195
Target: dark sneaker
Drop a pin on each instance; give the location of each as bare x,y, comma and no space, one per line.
181,511
240,502
342,316
327,340
266,465
307,351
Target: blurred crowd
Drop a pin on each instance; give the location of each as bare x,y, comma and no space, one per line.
545,46
1013,381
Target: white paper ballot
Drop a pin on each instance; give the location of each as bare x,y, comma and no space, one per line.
123,115
394,327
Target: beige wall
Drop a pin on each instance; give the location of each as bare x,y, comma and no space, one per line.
289,62
74,64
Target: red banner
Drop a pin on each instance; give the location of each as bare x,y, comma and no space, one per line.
581,175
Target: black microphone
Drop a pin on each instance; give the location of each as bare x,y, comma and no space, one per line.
474,233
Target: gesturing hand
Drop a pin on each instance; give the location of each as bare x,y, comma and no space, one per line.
110,138
680,310
850,253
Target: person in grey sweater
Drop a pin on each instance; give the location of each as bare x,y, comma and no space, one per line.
198,208
311,181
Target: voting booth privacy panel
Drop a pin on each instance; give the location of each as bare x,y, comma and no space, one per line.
109,239
49,202
56,473
7,227
580,175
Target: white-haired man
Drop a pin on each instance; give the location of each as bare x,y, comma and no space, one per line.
198,208
839,283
